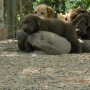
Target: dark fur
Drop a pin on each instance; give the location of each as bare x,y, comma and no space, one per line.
82,22
33,23
81,19
21,38
23,44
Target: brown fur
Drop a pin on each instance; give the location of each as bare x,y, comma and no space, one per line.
74,13
21,38
82,23
81,19
45,11
33,23
23,44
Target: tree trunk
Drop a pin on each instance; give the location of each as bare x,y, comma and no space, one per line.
31,6
21,9
9,22
11,17
1,10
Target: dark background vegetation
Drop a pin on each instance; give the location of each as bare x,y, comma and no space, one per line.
14,10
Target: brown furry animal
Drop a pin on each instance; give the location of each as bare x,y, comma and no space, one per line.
81,19
23,44
45,11
74,13
33,23
21,38
41,10
82,23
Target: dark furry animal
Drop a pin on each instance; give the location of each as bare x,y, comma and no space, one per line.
82,23
23,44
33,23
21,38
81,19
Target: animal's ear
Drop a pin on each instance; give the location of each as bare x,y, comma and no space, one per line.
38,20
50,12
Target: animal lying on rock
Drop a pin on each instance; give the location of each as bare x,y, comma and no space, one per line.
33,23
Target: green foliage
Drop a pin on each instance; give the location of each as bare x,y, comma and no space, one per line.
59,6
71,4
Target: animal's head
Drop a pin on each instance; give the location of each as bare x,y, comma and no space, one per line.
74,13
71,16
31,23
83,24
44,11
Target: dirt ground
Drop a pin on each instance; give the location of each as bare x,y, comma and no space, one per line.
30,71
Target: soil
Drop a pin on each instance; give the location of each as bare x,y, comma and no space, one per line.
32,71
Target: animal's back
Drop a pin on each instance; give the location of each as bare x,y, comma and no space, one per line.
55,25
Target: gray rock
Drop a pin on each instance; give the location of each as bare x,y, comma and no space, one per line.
86,46
50,43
